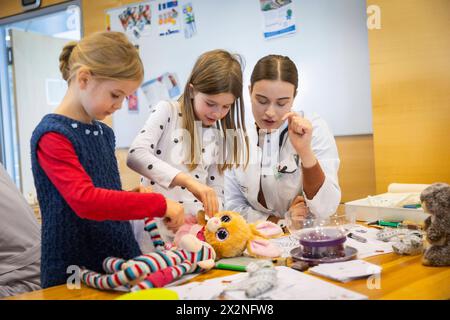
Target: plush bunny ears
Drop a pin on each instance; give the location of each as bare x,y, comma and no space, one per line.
263,248
267,229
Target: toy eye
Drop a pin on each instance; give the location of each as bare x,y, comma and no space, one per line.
225,218
222,234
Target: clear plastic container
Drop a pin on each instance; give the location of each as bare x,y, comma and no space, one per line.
320,239
323,242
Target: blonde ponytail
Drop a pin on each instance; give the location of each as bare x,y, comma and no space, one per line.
107,55
64,59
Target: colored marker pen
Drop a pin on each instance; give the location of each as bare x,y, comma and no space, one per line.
230,267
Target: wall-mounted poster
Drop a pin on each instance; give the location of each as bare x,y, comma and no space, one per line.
278,18
189,21
164,87
133,102
133,20
168,18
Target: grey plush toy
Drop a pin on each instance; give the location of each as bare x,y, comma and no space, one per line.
262,277
436,201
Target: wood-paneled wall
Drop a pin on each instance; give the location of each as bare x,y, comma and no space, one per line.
357,176
410,74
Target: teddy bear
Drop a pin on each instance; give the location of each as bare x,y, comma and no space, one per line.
435,200
230,235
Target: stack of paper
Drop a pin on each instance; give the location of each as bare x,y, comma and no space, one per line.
291,285
346,271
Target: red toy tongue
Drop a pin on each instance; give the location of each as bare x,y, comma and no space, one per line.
201,234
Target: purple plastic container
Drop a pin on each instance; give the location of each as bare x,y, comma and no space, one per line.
323,243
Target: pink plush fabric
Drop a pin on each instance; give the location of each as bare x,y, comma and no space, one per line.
190,226
264,248
269,229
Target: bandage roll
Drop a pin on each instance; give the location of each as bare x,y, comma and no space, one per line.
406,188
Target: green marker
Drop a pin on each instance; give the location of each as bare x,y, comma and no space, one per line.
230,267
388,223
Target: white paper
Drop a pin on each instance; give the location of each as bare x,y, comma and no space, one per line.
55,89
286,244
372,247
291,285
346,271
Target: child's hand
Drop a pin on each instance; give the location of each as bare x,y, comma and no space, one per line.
174,216
206,195
142,189
298,208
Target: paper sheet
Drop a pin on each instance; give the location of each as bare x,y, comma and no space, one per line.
286,244
292,285
346,271
372,247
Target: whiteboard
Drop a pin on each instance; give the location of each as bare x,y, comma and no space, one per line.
329,47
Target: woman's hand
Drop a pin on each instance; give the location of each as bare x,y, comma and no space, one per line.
298,208
300,133
298,212
174,216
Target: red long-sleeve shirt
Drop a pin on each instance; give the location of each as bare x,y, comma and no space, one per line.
58,159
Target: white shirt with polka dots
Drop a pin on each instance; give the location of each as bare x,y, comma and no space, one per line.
158,154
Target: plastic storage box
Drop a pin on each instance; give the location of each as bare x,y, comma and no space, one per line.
369,210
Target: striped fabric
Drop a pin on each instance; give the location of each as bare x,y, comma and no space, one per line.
151,228
155,269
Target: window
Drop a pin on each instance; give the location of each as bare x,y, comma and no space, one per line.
58,21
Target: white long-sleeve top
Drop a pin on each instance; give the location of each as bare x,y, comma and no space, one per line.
157,153
279,186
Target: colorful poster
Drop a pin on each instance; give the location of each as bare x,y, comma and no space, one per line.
133,102
168,18
164,87
133,20
190,28
278,18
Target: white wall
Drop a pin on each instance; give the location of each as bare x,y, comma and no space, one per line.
330,49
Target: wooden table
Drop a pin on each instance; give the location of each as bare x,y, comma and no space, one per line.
403,277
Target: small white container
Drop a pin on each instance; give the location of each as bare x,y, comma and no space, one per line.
369,210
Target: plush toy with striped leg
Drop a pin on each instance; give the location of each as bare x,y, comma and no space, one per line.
155,269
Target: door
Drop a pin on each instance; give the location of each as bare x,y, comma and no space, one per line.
38,87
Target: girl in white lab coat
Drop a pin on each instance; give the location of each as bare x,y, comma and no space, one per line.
293,161
183,150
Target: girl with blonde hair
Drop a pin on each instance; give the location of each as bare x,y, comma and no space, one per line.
85,213
186,145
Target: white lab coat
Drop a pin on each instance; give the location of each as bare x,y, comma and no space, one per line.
280,188
159,145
